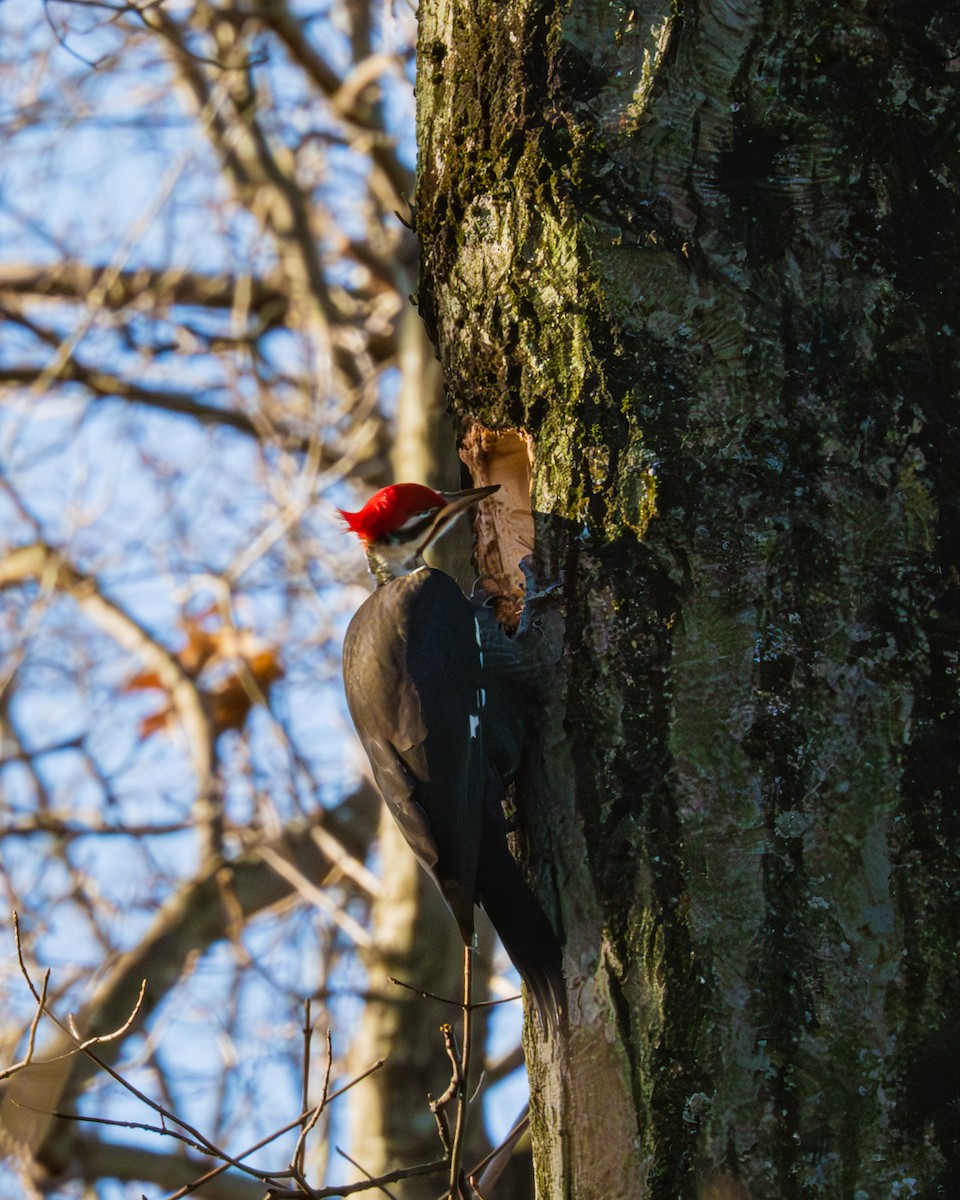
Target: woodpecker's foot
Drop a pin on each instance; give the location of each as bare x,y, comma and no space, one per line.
507,609
535,598
533,590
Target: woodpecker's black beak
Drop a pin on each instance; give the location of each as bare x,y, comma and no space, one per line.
456,503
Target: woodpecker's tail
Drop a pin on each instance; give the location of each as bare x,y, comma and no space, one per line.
524,929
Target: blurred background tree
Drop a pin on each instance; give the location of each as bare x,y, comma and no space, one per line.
206,345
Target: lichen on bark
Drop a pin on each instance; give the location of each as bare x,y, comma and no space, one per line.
697,252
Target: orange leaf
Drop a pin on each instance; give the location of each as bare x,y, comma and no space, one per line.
142,681
230,706
156,722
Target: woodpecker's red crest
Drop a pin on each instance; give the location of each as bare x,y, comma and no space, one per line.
390,509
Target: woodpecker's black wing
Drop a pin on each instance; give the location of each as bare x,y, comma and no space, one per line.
431,689
412,671
523,926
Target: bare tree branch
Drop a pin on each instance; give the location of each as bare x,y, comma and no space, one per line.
193,919
144,287
344,96
51,570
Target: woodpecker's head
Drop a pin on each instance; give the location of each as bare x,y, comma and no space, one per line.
399,522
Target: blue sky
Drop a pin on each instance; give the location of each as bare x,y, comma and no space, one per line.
106,165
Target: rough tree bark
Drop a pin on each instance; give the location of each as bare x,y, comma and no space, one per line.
704,254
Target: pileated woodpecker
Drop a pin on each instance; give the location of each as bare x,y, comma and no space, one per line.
431,686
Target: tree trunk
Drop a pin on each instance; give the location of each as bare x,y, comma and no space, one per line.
705,256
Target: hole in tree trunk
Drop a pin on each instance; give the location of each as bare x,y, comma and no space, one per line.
504,524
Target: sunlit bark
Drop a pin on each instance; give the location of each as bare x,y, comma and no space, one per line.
698,253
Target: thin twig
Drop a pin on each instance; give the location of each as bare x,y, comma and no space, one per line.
84,1044
443,1127
23,966
84,1048
64,45
498,1157
363,1185
462,1096
378,1181
31,1042
425,995
189,1135
380,1186
41,1004
159,1130
296,1160
419,991
454,1087
212,1174
326,1074
456,1061
317,896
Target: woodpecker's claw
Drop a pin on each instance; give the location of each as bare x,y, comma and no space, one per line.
534,597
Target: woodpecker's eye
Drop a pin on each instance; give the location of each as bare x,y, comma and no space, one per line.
413,527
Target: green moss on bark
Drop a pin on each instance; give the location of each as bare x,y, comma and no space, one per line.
698,252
